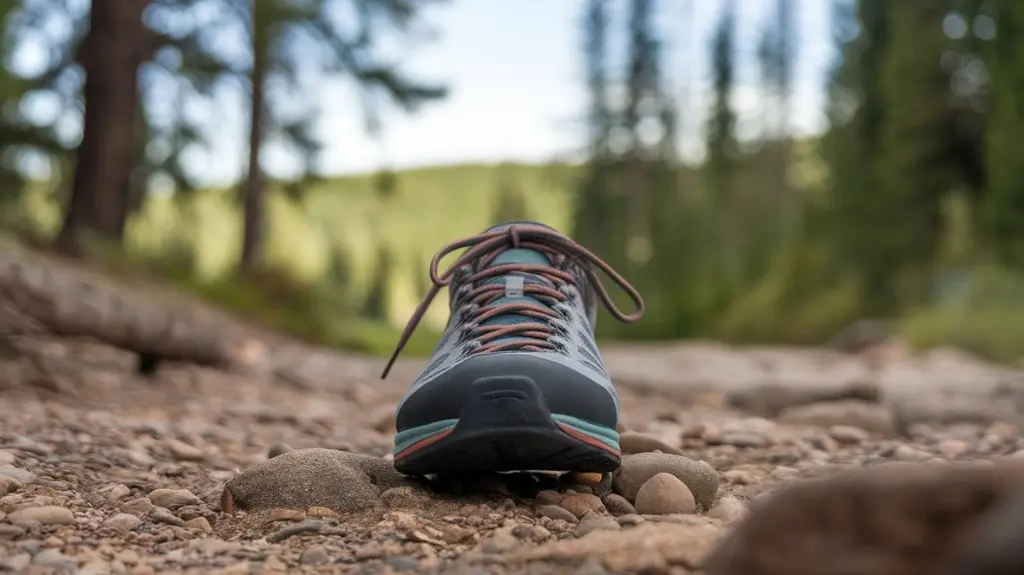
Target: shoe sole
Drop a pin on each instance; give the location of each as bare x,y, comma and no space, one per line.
505,425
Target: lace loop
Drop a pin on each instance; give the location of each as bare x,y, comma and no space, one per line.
481,251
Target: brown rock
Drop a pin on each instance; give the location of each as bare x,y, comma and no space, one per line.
645,548
10,532
274,515
323,513
848,434
728,509
549,497
407,497
664,494
593,521
632,442
122,522
556,512
871,417
580,503
172,498
8,485
305,478
45,515
138,507
618,505
585,478
200,523
184,452
881,521
698,476
993,545
769,400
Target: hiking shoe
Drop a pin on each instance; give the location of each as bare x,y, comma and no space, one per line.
516,382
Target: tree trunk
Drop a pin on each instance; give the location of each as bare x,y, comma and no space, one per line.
253,186
111,55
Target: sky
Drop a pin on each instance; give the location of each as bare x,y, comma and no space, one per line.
515,73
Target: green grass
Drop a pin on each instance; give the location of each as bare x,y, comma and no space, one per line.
985,315
194,242
428,208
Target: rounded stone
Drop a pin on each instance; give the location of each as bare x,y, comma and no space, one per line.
664,494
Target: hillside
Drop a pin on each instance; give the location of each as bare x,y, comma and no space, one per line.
426,208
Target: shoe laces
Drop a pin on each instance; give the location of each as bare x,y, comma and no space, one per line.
481,251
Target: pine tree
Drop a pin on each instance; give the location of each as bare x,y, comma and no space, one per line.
916,165
721,140
722,155
857,116
1003,210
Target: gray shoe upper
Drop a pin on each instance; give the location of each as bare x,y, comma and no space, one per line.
522,287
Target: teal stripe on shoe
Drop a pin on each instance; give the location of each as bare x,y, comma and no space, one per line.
409,437
605,435
406,439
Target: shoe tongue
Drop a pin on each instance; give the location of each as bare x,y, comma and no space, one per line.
514,283
520,256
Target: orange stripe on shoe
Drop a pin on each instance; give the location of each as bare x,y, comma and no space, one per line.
422,443
589,440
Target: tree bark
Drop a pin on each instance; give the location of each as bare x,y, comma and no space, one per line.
252,192
111,55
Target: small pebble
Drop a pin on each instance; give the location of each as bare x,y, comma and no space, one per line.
315,555
593,521
728,509
164,515
663,494
548,497
19,475
122,522
44,515
8,485
184,452
200,523
556,512
173,498
118,492
632,442
630,520
141,506
585,478
310,526
740,439
580,503
54,559
31,446
698,476
10,532
618,505
848,434
905,452
500,541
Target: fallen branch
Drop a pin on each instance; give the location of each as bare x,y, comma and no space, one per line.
37,299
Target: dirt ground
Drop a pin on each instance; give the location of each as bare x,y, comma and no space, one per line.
103,470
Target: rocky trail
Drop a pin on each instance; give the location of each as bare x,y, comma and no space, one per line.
267,456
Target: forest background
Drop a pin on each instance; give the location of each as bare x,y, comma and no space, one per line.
907,206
